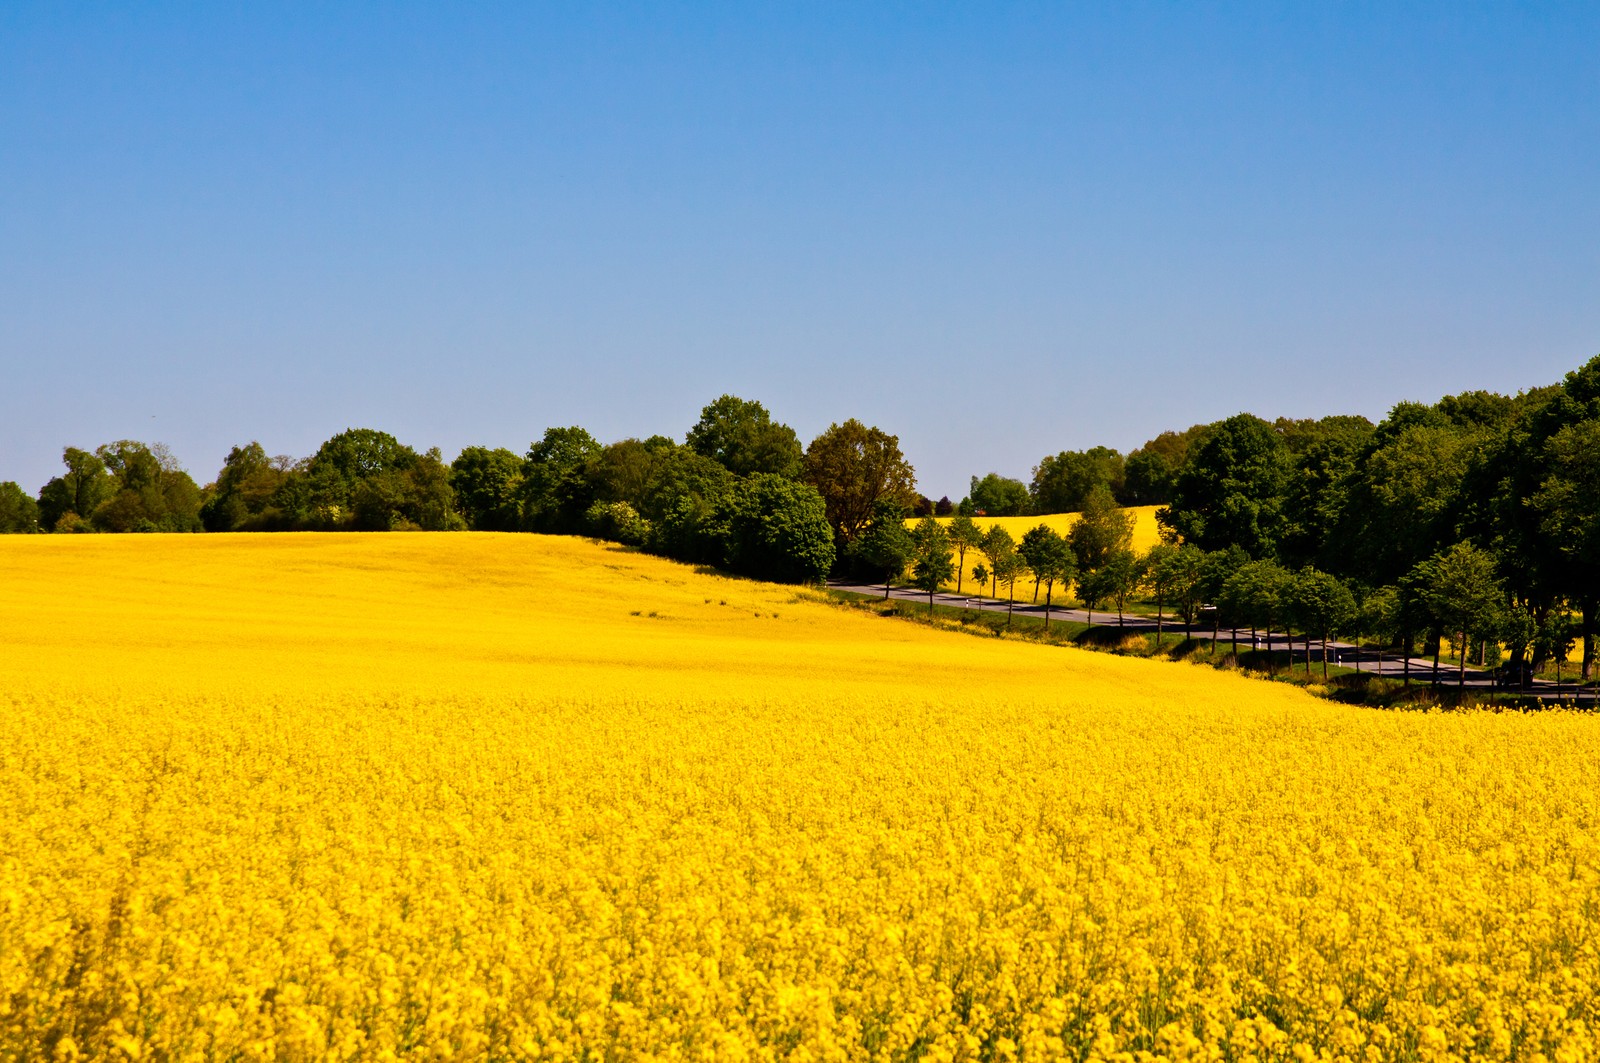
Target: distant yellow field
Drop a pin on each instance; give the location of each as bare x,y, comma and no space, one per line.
1146,533
513,797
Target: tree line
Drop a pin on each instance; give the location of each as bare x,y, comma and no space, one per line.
740,492
1474,519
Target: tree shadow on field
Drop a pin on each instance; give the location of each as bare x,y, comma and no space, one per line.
1113,638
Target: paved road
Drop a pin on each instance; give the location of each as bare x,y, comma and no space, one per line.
1345,654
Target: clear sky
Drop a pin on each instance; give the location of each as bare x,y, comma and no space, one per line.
998,231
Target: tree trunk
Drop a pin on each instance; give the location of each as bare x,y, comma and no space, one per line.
1324,655
1586,607
1158,623
961,564
1011,603
1405,650
1049,589
887,579
930,601
1461,672
1035,592
1438,644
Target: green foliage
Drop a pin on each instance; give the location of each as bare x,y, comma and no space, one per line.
78,493
1230,489
1063,482
855,468
1049,557
122,487
964,535
1149,472
1175,574
487,484
1463,591
245,496
19,513
931,564
777,529
1101,530
1256,595
885,544
997,496
556,490
1000,550
742,437
1321,604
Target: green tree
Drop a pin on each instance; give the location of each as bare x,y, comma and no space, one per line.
1257,595
19,513
1121,572
242,497
1324,606
1216,568
79,492
1158,570
556,491
1465,596
1380,616
1403,506
1148,472
487,484
964,535
777,529
1049,557
1100,531
854,468
1553,640
1231,488
1327,457
885,543
931,564
741,436
1063,482
1008,568
996,496
998,548
1567,502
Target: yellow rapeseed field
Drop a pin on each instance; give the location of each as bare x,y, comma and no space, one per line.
1146,533
511,797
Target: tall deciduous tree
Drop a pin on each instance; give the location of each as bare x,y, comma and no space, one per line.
999,548
854,468
964,535
78,492
1049,557
1063,482
1100,531
885,544
556,492
931,564
19,513
777,530
1323,606
994,495
1231,488
486,484
741,435
1465,596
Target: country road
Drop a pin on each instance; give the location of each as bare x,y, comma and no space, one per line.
1343,654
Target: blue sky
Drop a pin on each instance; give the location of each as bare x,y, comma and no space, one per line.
998,231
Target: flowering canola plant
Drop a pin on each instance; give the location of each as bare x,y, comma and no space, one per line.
514,797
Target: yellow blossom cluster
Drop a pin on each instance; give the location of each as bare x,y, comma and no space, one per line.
512,797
